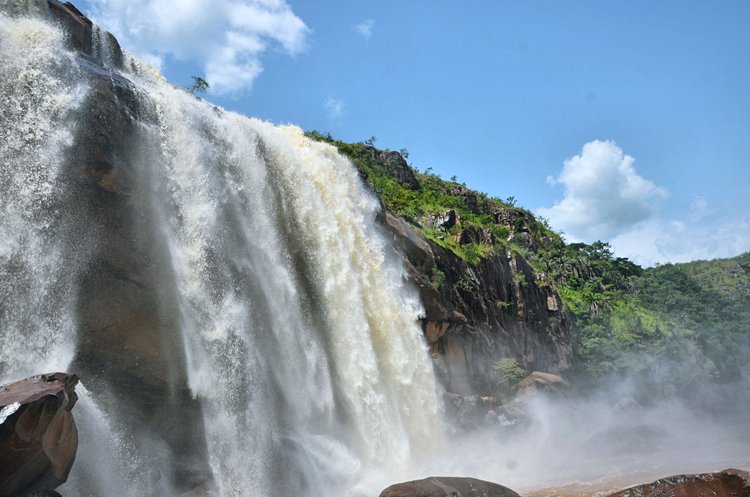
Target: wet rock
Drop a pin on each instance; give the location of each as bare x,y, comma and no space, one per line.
446,486
539,382
43,493
727,483
202,490
76,25
38,435
471,411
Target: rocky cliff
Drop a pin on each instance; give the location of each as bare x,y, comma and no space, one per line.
477,310
477,315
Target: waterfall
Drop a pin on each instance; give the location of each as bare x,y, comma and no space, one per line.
40,91
299,334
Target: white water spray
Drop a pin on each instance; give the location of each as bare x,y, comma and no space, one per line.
40,91
299,333
300,337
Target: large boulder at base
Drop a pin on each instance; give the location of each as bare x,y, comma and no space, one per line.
38,436
448,486
727,483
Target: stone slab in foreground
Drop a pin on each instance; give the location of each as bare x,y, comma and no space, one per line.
448,486
38,436
727,483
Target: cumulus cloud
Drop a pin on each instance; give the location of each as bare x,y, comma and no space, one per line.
660,241
226,37
365,28
334,108
604,195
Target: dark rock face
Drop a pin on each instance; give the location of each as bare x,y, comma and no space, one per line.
475,316
443,486
38,435
129,340
727,483
43,493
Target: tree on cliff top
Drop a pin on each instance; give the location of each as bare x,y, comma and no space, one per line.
200,85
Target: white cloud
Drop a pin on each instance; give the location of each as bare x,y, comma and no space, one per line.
226,37
365,28
604,195
698,209
334,108
659,241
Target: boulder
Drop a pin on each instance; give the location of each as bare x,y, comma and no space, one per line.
727,483
481,236
38,435
448,486
539,382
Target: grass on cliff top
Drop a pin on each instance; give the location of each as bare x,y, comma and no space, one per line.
425,206
691,319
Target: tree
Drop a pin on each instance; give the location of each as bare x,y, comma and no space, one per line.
200,85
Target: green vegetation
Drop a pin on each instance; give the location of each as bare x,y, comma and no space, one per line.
445,210
200,85
508,373
687,323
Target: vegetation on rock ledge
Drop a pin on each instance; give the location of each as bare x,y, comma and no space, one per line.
672,326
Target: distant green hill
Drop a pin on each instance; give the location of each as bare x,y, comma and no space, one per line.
674,325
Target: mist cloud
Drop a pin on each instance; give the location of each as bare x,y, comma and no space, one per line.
226,39
604,195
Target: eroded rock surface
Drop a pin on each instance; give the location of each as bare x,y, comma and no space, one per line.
477,315
727,483
38,435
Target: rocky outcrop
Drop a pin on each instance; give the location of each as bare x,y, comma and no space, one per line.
446,486
394,164
38,435
727,483
477,315
544,383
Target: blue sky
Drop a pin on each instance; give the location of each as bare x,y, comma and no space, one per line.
625,121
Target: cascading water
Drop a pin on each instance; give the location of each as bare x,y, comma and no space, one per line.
300,339
299,336
40,90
